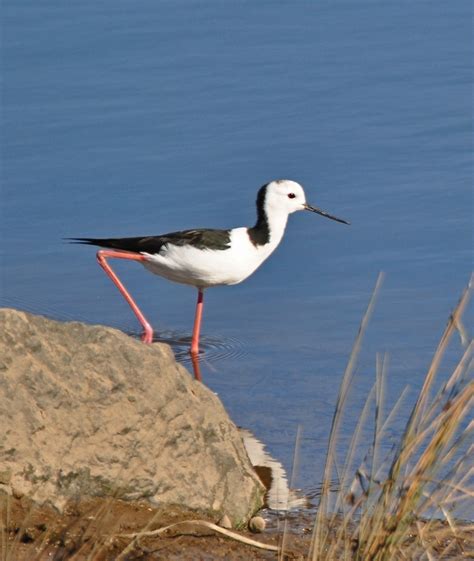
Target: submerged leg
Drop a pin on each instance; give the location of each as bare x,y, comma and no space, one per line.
147,336
197,323
196,367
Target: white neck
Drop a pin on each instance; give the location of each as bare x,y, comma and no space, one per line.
276,219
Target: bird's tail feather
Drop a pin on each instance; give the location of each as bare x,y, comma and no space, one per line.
125,244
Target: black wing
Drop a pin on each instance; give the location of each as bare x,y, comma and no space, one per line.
201,239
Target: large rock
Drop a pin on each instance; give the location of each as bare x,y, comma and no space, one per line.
88,411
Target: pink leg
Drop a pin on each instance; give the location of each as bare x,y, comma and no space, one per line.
147,336
197,324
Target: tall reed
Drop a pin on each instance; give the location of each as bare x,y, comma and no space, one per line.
400,506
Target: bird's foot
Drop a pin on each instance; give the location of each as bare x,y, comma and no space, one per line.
147,336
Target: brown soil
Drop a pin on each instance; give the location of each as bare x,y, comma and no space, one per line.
90,531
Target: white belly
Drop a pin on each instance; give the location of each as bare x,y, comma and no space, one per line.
203,268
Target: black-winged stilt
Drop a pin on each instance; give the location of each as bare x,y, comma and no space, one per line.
205,258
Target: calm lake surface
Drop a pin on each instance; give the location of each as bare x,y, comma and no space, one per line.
123,119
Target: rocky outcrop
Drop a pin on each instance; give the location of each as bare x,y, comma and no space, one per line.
88,411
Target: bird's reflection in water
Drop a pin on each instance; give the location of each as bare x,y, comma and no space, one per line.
196,367
279,495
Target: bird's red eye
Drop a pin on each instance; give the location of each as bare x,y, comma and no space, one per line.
291,195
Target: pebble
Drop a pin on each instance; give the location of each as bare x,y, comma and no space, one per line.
257,524
225,522
18,494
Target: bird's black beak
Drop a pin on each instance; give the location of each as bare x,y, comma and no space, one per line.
322,213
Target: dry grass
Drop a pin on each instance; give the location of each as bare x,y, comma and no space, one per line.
400,506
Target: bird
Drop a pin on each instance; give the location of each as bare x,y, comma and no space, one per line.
204,258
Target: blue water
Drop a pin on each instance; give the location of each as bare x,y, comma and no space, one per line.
123,119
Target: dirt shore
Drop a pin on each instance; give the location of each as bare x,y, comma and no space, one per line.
91,530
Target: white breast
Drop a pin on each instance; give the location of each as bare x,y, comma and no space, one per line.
210,267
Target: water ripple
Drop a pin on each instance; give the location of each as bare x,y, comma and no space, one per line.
213,348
